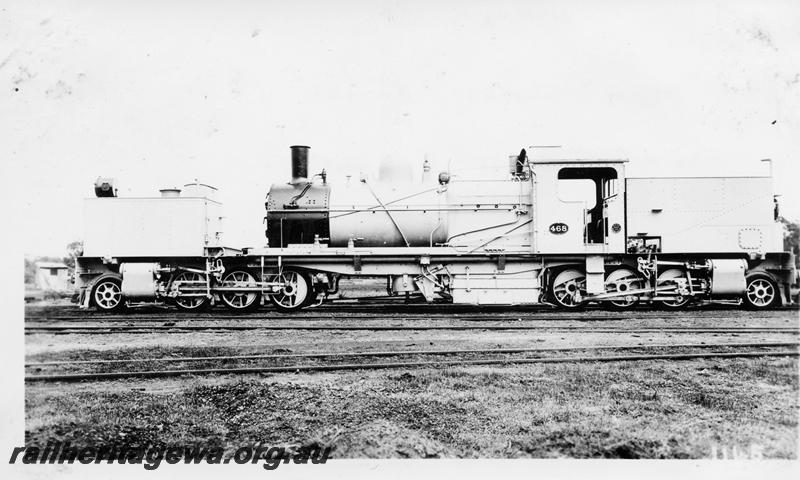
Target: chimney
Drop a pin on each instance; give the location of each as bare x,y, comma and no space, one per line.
299,163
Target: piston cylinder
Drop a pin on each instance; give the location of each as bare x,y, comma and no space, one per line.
728,276
138,280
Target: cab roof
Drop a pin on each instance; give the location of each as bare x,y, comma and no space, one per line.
577,161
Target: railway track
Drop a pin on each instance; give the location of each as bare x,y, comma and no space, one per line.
144,329
390,353
767,350
424,315
421,308
186,318
369,321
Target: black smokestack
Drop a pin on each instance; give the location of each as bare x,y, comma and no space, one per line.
299,163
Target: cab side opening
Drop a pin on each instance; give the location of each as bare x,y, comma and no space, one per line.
602,186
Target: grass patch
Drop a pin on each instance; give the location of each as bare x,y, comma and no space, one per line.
611,410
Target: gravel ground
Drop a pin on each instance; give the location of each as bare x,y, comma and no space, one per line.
654,409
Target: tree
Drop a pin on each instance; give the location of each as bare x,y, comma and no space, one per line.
30,271
791,238
74,249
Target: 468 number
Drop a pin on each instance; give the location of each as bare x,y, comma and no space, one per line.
559,228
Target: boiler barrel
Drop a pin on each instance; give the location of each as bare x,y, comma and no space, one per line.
410,216
404,216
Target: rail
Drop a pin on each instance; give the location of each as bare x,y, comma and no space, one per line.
407,364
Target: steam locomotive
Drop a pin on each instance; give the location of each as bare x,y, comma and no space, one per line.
524,238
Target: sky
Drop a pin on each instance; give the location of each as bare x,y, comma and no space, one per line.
159,93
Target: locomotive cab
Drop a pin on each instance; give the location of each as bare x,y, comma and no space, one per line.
579,206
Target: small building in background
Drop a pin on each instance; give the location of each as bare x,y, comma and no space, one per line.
52,277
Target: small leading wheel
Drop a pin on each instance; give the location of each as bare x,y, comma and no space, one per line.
673,277
620,281
243,300
192,282
296,293
761,291
107,294
568,288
